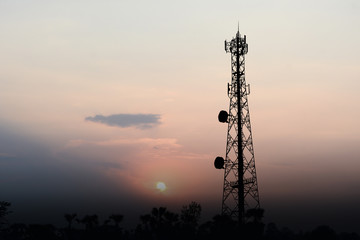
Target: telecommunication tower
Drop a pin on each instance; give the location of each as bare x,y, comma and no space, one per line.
240,190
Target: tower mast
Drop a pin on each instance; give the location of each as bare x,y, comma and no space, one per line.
240,189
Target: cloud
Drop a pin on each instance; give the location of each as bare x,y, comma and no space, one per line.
155,143
6,155
141,121
109,165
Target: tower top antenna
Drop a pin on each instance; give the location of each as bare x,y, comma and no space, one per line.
238,31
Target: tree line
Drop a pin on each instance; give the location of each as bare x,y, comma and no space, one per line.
162,224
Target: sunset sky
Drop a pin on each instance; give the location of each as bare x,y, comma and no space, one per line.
101,100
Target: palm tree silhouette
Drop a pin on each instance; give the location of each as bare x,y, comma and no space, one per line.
70,218
160,224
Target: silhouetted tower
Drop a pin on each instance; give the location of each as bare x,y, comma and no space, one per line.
240,191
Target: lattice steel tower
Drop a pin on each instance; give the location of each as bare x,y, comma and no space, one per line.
240,191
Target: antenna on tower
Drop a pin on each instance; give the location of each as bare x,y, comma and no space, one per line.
238,32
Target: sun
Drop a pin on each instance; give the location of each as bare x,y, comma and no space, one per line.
161,186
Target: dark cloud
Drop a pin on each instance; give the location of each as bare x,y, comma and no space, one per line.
111,165
6,157
142,121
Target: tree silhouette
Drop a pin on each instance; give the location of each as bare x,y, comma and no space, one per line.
70,218
17,231
90,221
272,231
117,219
160,224
256,214
4,211
190,214
323,232
190,217
42,232
255,228
221,227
